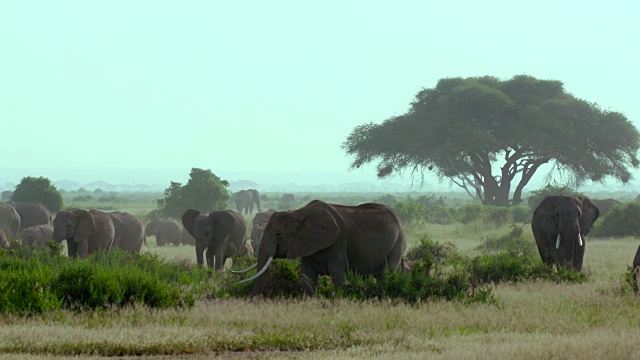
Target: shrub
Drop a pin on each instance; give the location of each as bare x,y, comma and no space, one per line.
38,189
470,213
514,242
409,210
620,221
551,189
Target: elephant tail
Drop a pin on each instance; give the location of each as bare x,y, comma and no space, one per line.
635,279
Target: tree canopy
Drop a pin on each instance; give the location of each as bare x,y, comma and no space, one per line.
483,133
204,191
38,189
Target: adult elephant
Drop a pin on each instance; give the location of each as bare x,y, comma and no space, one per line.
129,231
165,231
560,225
37,235
332,239
605,205
9,221
221,233
31,213
245,199
257,228
85,231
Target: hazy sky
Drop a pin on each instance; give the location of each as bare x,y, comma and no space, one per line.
273,85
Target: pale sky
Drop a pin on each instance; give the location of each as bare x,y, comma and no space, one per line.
250,87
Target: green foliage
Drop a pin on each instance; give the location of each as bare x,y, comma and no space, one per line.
35,281
204,191
409,210
514,242
620,221
537,196
38,189
387,199
464,127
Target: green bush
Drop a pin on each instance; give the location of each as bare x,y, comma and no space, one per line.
470,213
409,210
620,221
514,242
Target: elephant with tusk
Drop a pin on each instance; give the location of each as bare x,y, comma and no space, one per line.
331,239
560,225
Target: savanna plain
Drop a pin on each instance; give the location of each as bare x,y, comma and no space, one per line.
534,319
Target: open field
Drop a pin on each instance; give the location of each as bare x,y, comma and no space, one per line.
596,319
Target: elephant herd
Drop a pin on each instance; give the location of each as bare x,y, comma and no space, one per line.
329,239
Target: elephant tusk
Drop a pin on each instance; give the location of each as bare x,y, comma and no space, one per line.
558,242
579,239
245,270
256,275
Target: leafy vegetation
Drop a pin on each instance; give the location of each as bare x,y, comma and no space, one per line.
204,191
38,189
464,127
620,221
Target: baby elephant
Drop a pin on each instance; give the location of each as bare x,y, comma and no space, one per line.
37,235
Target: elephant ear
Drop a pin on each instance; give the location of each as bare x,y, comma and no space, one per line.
188,219
547,206
85,224
590,214
318,230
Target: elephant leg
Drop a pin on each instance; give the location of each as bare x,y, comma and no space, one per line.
309,278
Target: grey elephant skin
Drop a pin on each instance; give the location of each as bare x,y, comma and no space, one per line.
560,225
31,213
245,199
221,233
187,239
129,231
257,228
85,231
332,239
636,268
9,221
605,205
165,231
4,242
37,235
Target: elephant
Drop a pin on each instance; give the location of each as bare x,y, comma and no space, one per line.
605,205
10,221
245,199
31,213
37,235
129,231
560,225
331,240
85,231
247,249
259,222
165,231
222,233
636,268
187,239
4,243
288,198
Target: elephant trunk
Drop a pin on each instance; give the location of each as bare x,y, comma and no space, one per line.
199,253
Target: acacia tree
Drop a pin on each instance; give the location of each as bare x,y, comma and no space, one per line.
204,191
483,133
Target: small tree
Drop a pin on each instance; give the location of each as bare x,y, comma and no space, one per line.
38,189
204,191
551,189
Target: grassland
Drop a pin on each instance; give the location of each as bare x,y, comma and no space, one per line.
599,318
